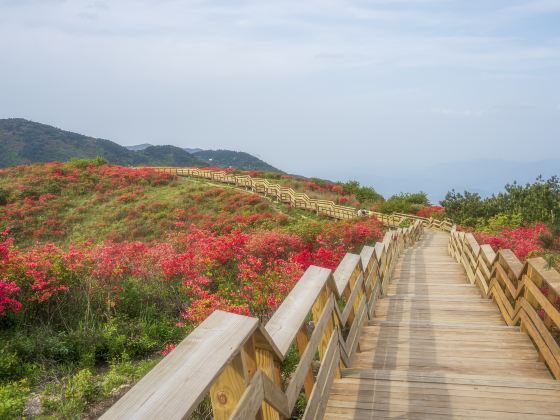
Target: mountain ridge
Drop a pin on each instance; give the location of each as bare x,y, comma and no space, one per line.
24,142
222,158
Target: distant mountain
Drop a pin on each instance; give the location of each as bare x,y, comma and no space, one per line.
167,156
23,142
222,158
229,158
137,147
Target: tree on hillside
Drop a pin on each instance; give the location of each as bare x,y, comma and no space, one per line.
405,203
532,202
363,194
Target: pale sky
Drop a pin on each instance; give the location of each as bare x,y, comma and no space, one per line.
312,87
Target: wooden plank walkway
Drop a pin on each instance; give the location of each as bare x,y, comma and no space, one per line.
437,350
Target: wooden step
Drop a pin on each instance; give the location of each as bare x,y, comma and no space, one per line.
446,299
412,291
442,280
486,380
388,394
502,338
450,364
436,350
431,350
436,305
439,325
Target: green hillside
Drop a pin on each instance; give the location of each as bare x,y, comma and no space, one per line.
24,142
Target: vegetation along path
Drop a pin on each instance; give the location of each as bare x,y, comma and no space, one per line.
436,349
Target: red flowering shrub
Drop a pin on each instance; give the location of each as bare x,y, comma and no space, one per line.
168,349
351,234
237,271
102,263
431,211
522,241
8,292
273,244
206,303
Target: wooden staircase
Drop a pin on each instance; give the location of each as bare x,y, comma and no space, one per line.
436,349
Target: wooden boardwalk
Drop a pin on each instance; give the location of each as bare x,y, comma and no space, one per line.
425,325
436,349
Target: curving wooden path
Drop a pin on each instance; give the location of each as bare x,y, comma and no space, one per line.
436,349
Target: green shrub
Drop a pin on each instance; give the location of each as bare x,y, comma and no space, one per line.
13,396
69,398
550,240
12,366
306,229
363,194
409,203
405,223
536,202
84,163
497,223
124,372
4,196
124,337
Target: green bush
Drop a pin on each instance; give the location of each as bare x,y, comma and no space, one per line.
536,202
124,372
409,203
497,223
13,396
405,223
84,163
69,398
365,195
13,366
4,196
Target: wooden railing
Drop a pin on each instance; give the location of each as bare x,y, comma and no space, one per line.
263,186
528,294
397,219
235,362
301,200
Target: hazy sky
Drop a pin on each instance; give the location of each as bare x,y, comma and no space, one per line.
313,87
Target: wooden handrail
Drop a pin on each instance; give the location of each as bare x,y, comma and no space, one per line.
528,294
235,361
302,200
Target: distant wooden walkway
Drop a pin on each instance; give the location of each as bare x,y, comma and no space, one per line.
436,349
301,200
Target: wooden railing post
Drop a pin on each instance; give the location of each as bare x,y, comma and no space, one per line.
266,362
229,387
302,340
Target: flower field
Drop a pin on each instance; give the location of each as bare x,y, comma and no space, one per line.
103,269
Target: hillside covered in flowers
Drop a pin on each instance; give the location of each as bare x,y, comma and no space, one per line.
103,269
